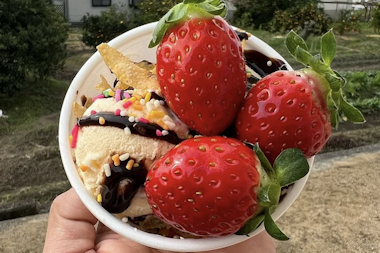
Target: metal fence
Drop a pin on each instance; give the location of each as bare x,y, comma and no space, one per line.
60,8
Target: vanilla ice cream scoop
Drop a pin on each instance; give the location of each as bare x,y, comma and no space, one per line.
115,142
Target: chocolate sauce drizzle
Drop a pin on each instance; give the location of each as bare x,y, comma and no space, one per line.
121,186
259,62
143,129
242,35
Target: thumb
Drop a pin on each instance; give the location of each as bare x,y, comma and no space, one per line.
70,226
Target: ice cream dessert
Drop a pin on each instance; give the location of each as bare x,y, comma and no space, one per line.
116,139
132,145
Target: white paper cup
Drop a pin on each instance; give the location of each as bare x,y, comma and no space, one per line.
134,44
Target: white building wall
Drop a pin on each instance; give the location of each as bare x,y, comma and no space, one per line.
333,9
76,9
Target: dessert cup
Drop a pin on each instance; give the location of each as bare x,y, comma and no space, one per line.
134,44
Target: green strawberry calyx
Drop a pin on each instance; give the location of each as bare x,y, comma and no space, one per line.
290,166
185,11
321,64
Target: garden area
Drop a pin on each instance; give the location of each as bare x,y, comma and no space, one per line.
31,172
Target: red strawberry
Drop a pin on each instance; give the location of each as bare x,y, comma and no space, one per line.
200,67
292,109
285,111
205,186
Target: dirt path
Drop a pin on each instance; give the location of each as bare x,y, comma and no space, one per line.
31,172
338,210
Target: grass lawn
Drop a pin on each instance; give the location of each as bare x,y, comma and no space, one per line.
41,99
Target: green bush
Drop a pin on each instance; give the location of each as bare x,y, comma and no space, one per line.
375,20
153,10
32,42
294,18
258,14
109,24
363,90
349,21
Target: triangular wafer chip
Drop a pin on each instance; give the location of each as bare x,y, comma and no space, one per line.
121,86
88,103
104,85
127,71
78,110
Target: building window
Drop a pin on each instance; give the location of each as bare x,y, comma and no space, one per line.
101,2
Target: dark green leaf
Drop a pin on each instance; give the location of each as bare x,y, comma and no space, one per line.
293,40
290,166
214,7
264,160
336,98
342,78
160,29
302,55
272,229
334,108
352,113
328,47
269,195
251,225
334,118
336,82
179,11
214,10
318,66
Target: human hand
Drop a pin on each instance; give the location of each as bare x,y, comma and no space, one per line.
71,229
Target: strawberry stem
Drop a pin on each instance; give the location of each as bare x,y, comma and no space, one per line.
321,64
290,166
185,11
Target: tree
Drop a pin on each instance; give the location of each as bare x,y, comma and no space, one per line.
297,16
153,10
259,13
375,21
32,41
109,24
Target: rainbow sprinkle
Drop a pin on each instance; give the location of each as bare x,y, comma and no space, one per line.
118,95
116,160
107,169
98,97
126,95
74,134
148,96
102,121
127,104
130,164
143,120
